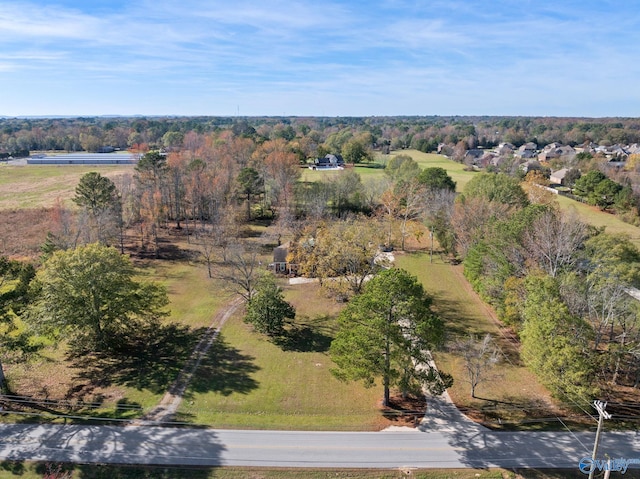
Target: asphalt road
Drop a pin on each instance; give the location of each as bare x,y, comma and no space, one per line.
454,448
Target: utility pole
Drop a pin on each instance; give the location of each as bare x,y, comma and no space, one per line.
602,415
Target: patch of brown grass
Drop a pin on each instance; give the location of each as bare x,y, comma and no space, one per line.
22,231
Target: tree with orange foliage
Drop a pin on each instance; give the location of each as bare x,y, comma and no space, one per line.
281,169
535,186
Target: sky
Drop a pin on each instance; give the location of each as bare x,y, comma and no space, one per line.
320,57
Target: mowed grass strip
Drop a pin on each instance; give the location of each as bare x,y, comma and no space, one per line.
600,219
194,297
33,470
250,382
514,394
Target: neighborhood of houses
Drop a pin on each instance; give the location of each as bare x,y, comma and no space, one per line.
529,157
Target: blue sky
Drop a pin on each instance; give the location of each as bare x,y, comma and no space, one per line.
318,57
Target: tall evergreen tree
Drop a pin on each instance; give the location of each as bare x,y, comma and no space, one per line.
386,333
555,343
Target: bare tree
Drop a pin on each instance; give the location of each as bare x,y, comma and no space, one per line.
480,356
553,240
207,243
412,204
471,217
437,212
241,271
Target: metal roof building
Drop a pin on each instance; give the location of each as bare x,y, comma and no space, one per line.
85,159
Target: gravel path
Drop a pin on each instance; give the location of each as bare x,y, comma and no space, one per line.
166,409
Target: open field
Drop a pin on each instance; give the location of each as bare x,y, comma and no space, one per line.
376,169
33,186
429,160
595,217
255,383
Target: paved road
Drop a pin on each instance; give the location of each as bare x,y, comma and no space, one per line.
387,449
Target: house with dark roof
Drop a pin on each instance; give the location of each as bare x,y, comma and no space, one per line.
328,161
280,264
527,151
472,156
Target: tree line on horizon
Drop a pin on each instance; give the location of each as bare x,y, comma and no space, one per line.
423,133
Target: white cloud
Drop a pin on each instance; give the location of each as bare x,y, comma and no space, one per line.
28,21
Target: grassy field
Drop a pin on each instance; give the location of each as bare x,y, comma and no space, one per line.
376,170
33,186
595,217
250,382
429,160
124,389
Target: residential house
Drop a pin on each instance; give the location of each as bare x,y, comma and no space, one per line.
280,264
329,161
557,177
505,149
553,151
527,151
472,157
530,165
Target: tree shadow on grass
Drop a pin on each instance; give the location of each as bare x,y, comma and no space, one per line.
149,359
457,321
16,468
112,471
224,370
309,336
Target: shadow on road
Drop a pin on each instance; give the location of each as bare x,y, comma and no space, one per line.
147,446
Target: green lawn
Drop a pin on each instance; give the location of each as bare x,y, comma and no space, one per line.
250,382
376,169
194,301
594,216
429,160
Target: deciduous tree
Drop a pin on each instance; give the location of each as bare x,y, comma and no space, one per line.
554,240
497,188
480,357
91,295
14,283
